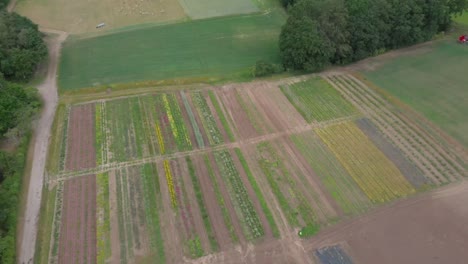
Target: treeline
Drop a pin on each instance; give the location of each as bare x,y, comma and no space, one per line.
319,33
21,50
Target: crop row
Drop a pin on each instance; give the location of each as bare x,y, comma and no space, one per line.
372,171
239,195
208,120
176,122
221,115
292,201
333,176
201,204
152,204
170,183
435,161
316,100
220,200
103,218
193,121
64,140
258,193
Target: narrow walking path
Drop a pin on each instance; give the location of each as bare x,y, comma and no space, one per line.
48,92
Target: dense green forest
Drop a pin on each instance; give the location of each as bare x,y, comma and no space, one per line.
21,50
319,33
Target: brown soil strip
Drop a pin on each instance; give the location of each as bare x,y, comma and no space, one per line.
241,122
77,242
258,113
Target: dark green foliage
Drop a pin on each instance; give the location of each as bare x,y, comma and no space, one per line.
263,68
21,47
323,32
18,105
3,4
288,3
11,167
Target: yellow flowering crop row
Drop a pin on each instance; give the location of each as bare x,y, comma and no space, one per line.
170,183
160,139
379,178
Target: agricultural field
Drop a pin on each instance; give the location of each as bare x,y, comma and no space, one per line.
232,172
438,93
215,8
227,46
82,16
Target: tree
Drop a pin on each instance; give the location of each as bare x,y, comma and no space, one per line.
21,47
303,46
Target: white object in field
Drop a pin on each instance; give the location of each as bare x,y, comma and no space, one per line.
101,25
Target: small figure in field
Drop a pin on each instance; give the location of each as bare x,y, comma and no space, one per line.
463,39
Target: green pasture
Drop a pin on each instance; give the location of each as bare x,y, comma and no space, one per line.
227,46
215,8
462,19
434,83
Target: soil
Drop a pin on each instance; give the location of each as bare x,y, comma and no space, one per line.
77,240
241,123
80,146
48,92
114,220
430,228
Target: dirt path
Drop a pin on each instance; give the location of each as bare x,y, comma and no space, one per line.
48,92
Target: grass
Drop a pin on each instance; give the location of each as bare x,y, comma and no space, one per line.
316,100
258,192
45,225
215,8
83,16
227,46
433,83
379,179
57,146
462,19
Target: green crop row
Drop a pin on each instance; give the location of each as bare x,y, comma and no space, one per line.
220,200
208,120
193,121
316,100
275,171
195,247
252,225
176,121
103,218
258,192
152,203
334,177
221,116
201,204
63,145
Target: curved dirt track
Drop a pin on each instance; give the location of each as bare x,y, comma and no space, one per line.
48,92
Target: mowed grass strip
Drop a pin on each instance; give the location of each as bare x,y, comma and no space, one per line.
215,8
438,92
380,179
227,46
316,100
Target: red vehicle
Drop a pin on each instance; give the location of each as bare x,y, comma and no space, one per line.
463,39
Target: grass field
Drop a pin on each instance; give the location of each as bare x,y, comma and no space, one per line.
433,83
215,8
462,19
83,16
214,47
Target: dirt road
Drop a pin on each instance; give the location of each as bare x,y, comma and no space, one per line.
48,91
